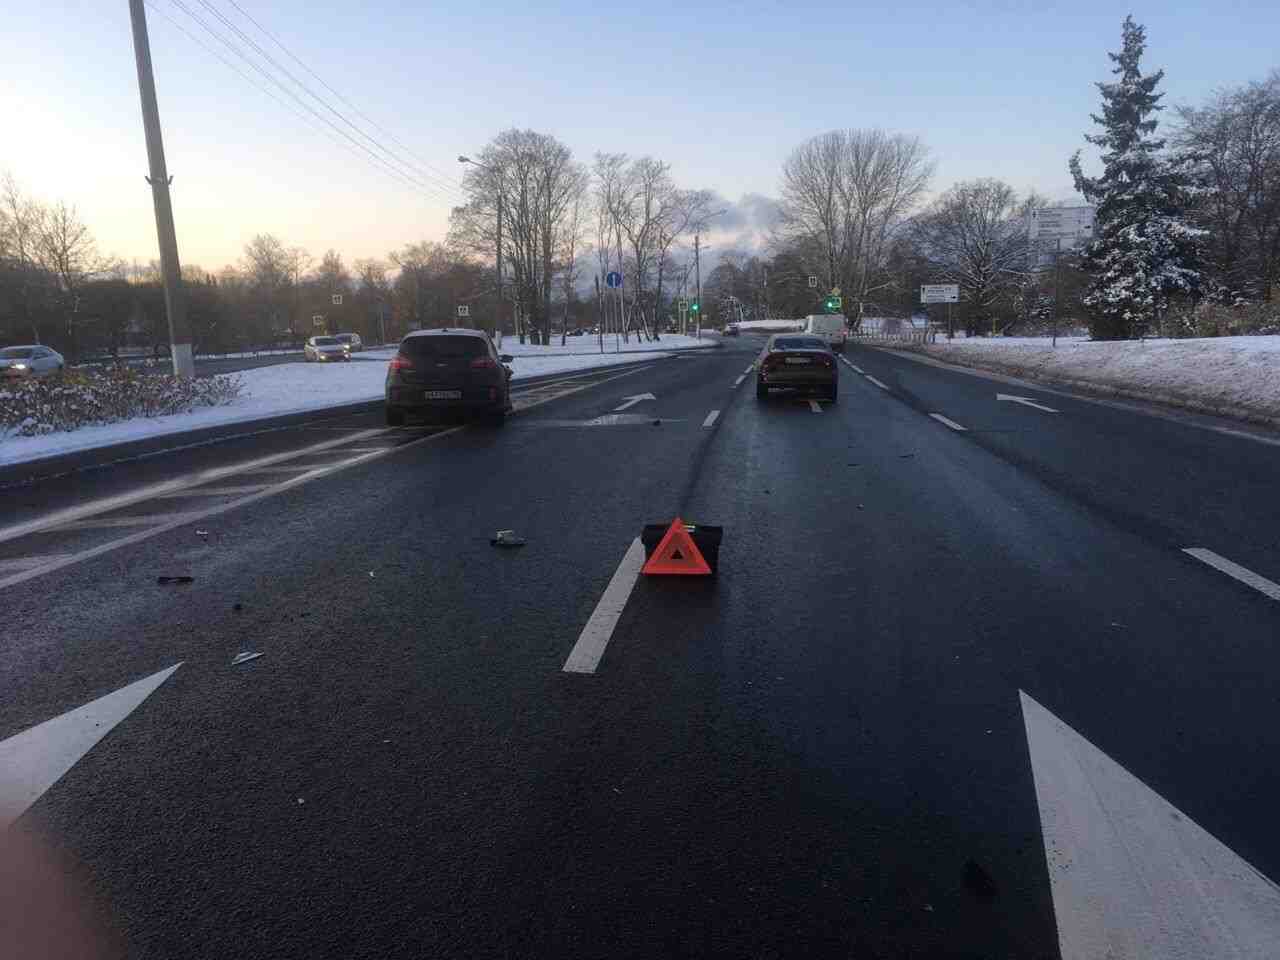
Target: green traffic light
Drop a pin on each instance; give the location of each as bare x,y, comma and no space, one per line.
694,306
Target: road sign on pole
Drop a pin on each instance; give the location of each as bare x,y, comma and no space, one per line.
940,293
613,279
813,281
464,310
337,299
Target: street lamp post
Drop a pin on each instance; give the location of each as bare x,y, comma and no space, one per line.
497,312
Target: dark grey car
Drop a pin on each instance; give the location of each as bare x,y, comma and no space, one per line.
442,371
797,362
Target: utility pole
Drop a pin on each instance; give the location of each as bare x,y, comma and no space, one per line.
174,299
497,310
697,266
1057,288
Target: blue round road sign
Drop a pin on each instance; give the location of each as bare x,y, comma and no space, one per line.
613,279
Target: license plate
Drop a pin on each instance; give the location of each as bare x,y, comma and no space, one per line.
442,395
796,360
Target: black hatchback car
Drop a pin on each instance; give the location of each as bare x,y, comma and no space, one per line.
443,371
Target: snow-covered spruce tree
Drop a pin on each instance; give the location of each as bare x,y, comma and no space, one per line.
1143,250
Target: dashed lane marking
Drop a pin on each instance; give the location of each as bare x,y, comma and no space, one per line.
586,653
1268,588
882,386
738,382
748,370
711,418
949,422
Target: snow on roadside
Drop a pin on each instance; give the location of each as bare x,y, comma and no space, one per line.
1234,376
772,326
298,387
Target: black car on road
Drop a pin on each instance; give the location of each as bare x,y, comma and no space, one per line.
797,362
447,371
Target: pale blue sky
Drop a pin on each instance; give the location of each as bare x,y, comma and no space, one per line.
722,92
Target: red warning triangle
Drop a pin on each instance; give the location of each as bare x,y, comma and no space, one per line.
676,553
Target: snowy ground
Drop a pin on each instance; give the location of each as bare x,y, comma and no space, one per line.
1234,376
297,387
772,326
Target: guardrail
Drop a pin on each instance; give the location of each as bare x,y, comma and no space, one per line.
910,335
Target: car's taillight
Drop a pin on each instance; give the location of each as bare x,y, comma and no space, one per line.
772,360
826,360
400,362
483,363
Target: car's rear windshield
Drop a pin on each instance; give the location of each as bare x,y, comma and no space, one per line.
799,343
326,341
443,346
17,353
345,337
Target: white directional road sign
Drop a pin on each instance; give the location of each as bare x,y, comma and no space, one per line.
337,299
813,281
464,310
940,293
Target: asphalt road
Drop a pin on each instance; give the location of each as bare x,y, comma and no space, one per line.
819,752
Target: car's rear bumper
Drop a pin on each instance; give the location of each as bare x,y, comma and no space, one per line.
479,399
799,381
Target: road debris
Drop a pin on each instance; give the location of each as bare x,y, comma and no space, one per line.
202,533
183,579
244,657
507,538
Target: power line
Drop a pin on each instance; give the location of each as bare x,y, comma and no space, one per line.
382,164
390,155
425,165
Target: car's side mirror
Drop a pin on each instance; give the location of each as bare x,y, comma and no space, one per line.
506,358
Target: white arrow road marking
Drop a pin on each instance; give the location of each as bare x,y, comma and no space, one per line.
1025,401
33,761
1131,875
875,381
950,423
711,418
586,653
815,406
632,401
1257,581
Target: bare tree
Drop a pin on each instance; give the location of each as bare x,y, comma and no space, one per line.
21,223
267,268
1234,142
572,238
844,194
67,252
538,181
299,260
973,236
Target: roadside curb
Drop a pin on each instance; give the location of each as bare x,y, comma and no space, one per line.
1020,375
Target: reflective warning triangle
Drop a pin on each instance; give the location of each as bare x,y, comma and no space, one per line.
676,553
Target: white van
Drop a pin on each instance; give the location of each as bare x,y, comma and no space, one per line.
831,327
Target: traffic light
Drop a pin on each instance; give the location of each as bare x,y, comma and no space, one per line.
693,307
833,304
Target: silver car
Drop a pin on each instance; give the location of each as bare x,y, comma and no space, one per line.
352,340
325,350
32,360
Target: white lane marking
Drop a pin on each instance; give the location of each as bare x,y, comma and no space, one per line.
108,504
586,653
815,406
1130,874
876,382
856,368
711,418
289,484
296,468
632,401
213,491
104,523
33,761
738,382
950,423
26,563
1260,583
748,370
1025,401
